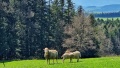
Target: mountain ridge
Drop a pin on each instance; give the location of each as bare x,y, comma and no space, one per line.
105,8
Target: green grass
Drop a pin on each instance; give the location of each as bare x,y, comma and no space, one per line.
104,62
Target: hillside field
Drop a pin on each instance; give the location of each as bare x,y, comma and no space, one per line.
105,18
104,62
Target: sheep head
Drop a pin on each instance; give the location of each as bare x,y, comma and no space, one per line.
46,50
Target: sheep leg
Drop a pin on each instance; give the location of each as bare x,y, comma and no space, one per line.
63,60
53,61
78,59
70,59
49,61
56,60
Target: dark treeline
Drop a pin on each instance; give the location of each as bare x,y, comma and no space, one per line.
107,14
28,26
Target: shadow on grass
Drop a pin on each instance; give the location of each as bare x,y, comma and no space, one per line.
75,62
54,63
4,61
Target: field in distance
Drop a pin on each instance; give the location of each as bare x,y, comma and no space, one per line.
103,62
110,18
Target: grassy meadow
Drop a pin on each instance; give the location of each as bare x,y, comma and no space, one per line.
104,62
110,18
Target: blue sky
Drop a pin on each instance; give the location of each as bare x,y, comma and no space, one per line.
95,2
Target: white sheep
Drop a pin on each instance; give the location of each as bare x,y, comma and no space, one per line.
71,55
50,54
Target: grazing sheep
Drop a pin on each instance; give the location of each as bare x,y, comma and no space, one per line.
71,55
76,55
50,54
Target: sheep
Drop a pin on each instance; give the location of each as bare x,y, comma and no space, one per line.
50,54
67,56
77,55
71,55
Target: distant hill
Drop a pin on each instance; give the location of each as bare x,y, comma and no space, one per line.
106,8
